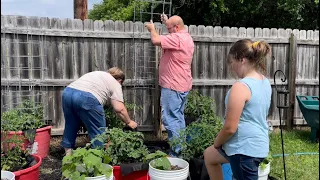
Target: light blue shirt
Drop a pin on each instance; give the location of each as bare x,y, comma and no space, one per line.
251,138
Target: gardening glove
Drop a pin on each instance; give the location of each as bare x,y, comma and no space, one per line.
163,18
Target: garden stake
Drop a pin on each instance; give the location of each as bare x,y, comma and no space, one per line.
282,94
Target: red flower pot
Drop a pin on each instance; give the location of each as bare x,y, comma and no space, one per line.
137,175
41,144
31,173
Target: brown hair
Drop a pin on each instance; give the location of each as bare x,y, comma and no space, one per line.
117,73
255,52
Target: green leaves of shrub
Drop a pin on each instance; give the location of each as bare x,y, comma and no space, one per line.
113,120
14,160
86,163
200,134
266,161
155,155
25,116
161,163
126,147
198,105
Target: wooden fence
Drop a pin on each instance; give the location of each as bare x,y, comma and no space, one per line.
68,48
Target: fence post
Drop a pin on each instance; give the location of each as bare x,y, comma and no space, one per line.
292,80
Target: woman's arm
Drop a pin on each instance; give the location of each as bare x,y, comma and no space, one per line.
122,112
239,95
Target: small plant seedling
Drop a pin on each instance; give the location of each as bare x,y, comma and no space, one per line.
163,163
86,163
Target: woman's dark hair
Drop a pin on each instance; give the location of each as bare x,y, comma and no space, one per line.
255,52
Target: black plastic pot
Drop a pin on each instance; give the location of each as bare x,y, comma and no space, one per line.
198,169
189,120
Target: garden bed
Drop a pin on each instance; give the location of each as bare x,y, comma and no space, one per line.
51,165
297,141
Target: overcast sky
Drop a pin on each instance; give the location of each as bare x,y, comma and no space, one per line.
42,8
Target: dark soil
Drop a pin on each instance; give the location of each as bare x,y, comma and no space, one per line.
51,165
176,167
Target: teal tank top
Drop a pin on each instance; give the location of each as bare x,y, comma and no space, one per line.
251,138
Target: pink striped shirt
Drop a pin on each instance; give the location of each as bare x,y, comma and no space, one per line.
175,63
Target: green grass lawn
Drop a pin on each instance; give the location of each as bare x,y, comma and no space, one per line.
298,167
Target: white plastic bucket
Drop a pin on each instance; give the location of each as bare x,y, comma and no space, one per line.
263,173
103,177
7,175
99,178
181,174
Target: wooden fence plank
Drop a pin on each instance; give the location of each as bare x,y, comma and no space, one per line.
291,82
69,48
98,60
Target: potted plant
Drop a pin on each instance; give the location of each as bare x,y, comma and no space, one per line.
264,168
129,156
26,121
168,168
19,161
127,151
198,105
86,163
199,134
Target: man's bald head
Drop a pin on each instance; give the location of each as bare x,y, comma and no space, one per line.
176,21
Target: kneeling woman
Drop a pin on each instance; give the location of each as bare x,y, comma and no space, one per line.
243,140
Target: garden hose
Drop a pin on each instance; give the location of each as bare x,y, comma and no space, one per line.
296,154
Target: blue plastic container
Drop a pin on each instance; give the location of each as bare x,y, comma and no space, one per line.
227,172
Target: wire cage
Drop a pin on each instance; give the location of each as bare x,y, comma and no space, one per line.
146,58
23,66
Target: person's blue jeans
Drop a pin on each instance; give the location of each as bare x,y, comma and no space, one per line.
172,108
242,166
81,106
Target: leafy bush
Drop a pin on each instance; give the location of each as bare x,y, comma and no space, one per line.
125,147
200,134
196,137
113,120
25,116
15,159
266,161
199,105
86,162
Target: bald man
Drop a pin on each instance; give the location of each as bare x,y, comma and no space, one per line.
174,73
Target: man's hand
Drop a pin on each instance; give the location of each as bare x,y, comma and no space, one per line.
164,18
132,124
150,26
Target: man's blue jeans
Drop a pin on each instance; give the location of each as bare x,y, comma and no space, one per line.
172,113
81,106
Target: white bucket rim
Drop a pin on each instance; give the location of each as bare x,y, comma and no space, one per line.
160,170
8,172
111,176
